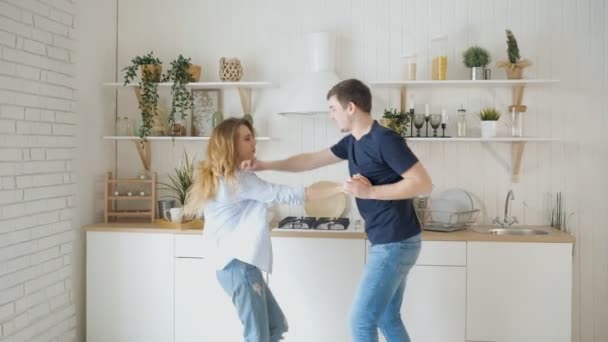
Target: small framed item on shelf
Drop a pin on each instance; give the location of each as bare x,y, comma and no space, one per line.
205,103
130,200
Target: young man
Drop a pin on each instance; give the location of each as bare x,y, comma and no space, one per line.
385,176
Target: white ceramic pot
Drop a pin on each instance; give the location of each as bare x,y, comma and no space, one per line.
488,129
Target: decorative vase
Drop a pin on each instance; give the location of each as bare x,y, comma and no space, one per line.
477,73
217,118
515,73
249,118
488,129
195,72
151,72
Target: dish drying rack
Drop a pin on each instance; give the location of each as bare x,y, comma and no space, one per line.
446,221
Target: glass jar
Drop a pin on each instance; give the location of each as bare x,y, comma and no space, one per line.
440,58
122,126
517,123
178,128
410,67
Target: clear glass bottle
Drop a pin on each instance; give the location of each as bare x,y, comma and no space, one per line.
517,123
122,126
462,122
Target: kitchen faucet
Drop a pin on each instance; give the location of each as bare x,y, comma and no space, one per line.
506,222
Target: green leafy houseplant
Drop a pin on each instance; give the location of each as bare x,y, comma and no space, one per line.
396,120
476,56
181,95
514,65
489,114
151,70
181,180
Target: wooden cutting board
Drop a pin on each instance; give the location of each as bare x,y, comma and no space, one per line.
192,224
328,207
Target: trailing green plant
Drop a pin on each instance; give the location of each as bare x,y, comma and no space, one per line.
397,120
148,103
181,96
476,56
513,54
489,114
181,180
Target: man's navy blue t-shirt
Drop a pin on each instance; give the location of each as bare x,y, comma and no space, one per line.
381,156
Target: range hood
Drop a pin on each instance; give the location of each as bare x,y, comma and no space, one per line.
306,95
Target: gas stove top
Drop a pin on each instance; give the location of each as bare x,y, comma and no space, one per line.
321,223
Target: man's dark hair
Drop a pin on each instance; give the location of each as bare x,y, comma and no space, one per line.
354,91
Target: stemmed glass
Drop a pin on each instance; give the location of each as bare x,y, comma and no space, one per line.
419,120
435,122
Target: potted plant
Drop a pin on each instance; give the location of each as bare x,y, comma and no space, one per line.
489,116
396,120
181,180
476,58
515,65
181,73
147,93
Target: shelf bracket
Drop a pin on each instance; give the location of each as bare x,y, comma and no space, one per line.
517,152
144,150
518,95
245,95
403,100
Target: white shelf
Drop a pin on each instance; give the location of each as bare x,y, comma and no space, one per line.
463,83
166,138
200,85
473,139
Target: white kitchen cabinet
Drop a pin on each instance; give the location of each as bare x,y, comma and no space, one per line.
314,281
203,311
434,303
519,292
129,279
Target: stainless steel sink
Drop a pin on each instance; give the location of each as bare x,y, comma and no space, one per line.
517,231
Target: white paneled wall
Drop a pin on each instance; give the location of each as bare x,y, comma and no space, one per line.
565,39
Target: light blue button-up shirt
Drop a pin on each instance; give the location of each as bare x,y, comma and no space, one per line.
236,225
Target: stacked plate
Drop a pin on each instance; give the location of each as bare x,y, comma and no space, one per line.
453,209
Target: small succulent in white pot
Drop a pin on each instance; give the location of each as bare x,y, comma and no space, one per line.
489,117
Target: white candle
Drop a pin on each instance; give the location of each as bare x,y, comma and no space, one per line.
411,103
427,109
444,116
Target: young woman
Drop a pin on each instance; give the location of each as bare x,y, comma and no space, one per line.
236,233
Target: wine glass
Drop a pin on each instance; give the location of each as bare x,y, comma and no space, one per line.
419,120
435,122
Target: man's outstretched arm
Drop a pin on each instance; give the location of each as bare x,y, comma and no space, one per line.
297,163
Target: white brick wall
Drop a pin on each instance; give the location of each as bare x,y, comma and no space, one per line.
37,144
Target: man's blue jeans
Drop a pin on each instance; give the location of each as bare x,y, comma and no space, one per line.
378,299
262,318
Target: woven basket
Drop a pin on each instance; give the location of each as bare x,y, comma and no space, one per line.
230,69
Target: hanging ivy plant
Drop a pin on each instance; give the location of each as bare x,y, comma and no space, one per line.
150,76
181,96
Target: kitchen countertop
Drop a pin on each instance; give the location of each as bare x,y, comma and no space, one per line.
472,234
